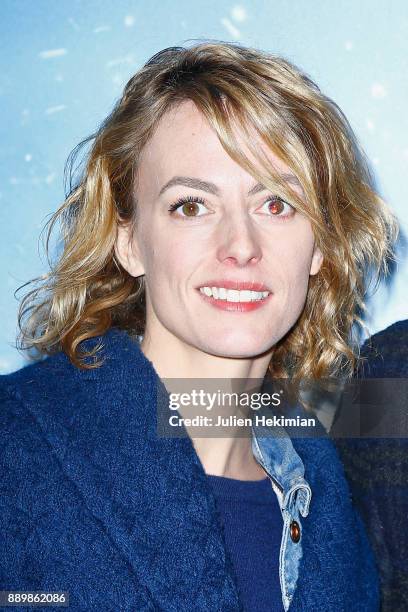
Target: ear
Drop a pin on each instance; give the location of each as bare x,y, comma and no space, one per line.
317,260
127,250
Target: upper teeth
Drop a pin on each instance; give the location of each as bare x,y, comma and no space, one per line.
233,295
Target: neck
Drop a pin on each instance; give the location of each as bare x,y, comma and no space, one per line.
175,361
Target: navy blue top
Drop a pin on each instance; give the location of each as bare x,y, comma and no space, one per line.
253,526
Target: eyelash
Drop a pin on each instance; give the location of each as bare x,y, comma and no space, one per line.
188,199
185,200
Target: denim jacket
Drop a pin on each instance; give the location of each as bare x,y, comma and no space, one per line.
95,503
286,472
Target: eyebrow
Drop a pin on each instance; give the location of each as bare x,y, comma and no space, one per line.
194,183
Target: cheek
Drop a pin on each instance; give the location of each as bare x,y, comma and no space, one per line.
169,261
296,259
299,284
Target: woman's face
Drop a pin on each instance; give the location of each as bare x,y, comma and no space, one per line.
226,271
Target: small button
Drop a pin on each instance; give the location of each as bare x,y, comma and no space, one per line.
295,531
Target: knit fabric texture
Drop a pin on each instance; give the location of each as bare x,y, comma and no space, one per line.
93,502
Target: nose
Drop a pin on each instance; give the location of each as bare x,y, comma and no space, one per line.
238,243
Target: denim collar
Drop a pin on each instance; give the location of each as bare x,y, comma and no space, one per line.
283,465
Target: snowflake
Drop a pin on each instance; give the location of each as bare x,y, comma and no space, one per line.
238,13
378,90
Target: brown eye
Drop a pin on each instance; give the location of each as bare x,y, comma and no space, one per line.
276,206
190,209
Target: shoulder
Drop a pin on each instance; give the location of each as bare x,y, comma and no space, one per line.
56,376
35,375
53,398
42,389
53,415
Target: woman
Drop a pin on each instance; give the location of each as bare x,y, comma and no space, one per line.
225,220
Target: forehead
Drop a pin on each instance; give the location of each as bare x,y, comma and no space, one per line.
185,143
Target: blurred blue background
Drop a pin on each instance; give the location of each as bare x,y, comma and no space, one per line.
63,65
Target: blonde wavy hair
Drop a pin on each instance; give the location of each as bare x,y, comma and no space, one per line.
87,291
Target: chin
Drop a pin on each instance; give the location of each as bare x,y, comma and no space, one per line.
237,346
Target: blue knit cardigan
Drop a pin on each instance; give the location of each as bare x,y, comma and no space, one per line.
94,503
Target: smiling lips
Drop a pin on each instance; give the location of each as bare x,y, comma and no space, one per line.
235,296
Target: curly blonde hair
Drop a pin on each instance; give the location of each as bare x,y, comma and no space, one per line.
87,291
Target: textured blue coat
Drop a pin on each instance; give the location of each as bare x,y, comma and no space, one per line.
94,503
